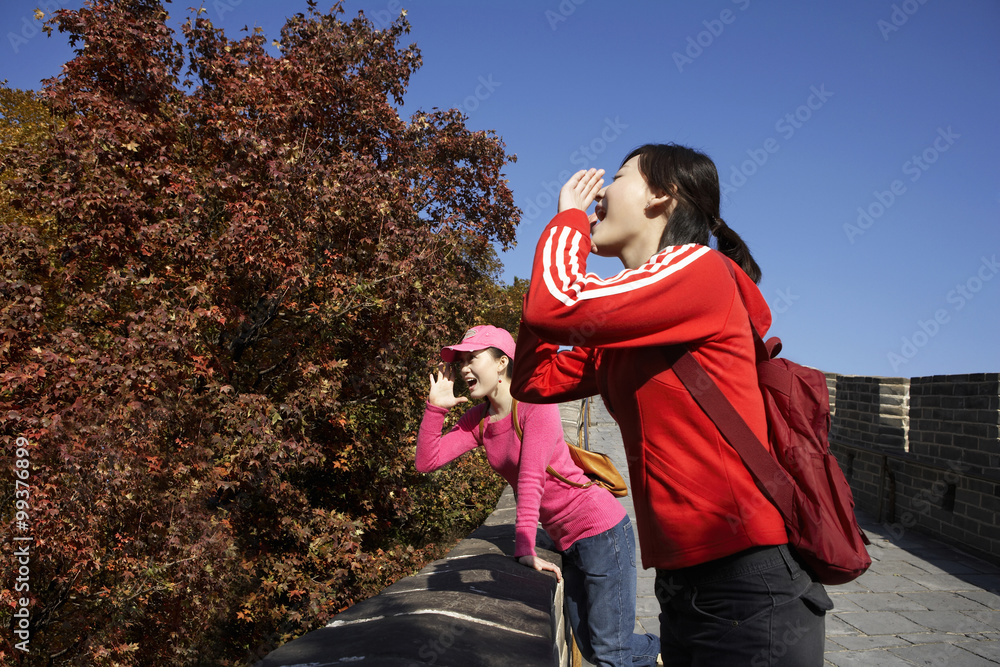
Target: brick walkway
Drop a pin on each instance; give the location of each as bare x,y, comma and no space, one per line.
921,603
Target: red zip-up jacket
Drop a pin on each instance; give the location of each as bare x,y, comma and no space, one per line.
694,499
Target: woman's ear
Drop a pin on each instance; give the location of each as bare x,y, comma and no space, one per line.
662,201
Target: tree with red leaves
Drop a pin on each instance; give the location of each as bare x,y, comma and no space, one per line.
223,274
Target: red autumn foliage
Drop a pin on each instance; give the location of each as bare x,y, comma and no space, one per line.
222,277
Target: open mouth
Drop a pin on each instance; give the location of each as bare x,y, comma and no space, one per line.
596,217
471,383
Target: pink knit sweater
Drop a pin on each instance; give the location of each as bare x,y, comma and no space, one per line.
566,512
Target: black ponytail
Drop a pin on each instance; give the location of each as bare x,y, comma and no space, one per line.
732,246
692,179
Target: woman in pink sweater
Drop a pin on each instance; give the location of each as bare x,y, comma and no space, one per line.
587,524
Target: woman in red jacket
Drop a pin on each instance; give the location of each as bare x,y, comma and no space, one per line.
730,591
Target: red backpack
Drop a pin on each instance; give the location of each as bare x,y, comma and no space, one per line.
802,479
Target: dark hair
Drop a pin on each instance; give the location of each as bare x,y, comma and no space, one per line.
497,353
692,179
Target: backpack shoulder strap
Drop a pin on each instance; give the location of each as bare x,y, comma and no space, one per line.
769,474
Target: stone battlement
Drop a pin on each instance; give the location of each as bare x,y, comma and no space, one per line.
923,453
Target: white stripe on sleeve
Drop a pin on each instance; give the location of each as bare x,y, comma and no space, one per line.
569,285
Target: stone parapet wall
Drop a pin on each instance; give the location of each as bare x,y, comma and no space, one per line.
923,453
954,418
871,411
476,606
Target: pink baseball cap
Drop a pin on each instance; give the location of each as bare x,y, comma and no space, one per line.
480,338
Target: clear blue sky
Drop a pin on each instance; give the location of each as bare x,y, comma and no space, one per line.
857,141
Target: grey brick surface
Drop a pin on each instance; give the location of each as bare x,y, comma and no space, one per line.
949,654
880,623
946,621
943,601
886,602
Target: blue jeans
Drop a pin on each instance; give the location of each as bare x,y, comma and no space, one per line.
757,608
599,574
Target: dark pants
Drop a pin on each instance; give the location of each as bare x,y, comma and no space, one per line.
757,608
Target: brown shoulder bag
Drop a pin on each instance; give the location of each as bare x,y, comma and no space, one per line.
595,465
